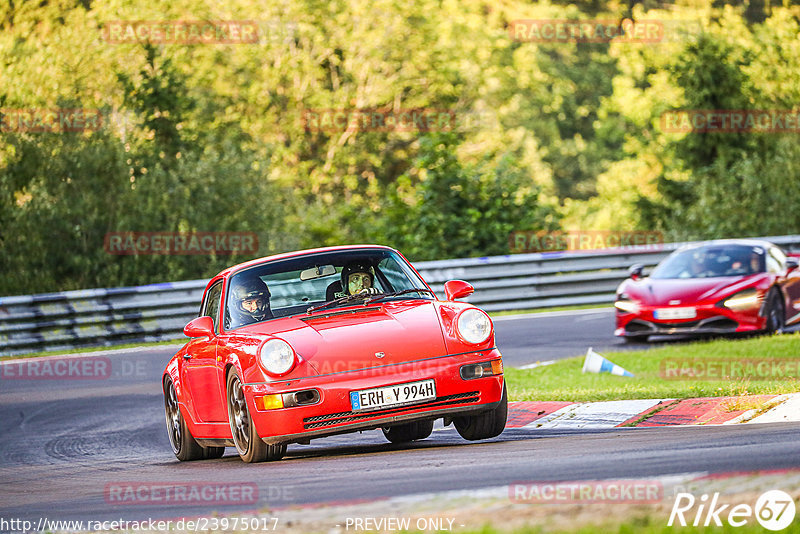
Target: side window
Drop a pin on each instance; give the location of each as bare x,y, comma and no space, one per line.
775,261
211,306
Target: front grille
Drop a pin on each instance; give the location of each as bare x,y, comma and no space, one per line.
711,324
686,325
722,323
636,326
319,421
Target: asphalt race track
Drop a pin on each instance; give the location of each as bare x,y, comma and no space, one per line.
64,443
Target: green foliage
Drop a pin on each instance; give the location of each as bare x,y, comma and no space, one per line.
741,183
211,137
455,209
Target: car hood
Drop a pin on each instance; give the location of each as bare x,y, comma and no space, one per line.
680,291
361,337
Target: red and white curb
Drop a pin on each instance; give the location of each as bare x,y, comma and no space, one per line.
654,412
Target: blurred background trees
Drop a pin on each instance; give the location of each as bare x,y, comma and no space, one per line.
212,137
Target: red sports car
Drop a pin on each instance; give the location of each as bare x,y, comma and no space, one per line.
328,341
717,287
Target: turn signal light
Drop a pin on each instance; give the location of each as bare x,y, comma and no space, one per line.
497,367
269,402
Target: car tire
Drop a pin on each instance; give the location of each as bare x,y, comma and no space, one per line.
248,443
775,313
486,424
408,432
184,446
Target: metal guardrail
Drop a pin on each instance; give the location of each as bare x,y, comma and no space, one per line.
156,312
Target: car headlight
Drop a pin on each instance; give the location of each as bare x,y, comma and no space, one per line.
277,356
474,326
744,300
625,304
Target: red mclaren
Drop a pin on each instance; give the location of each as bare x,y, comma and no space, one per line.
328,341
717,287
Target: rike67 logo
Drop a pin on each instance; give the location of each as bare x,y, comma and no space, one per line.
774,510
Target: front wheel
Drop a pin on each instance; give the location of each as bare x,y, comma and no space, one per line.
486,424
183,443
775,313
408,432
249,445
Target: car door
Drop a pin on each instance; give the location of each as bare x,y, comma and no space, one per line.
201,370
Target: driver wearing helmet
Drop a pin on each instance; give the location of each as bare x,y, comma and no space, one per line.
357,278
250,301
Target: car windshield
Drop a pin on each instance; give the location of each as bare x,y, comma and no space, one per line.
282,288
712,261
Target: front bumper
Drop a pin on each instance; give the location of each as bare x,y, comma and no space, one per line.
333,414
710,319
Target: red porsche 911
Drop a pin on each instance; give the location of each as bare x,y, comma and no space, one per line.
327,341
717,287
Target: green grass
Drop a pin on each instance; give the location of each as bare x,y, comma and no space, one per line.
95,349
554,308
563,380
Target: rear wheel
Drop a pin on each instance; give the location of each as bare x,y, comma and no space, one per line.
249,445
183,443
486,424
775,313
408,432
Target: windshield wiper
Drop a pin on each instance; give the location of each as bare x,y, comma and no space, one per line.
396,293
368,296
340,300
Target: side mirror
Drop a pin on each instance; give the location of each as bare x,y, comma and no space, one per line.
200,327
456,289
635,272
792,264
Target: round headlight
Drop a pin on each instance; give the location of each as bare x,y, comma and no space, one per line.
277,356
474,326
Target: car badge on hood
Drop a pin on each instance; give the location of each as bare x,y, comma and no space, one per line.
676,301
380,354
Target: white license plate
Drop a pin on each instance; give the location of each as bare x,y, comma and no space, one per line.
675,313
397,395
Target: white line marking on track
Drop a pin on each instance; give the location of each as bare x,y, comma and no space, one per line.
537,364
543,315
